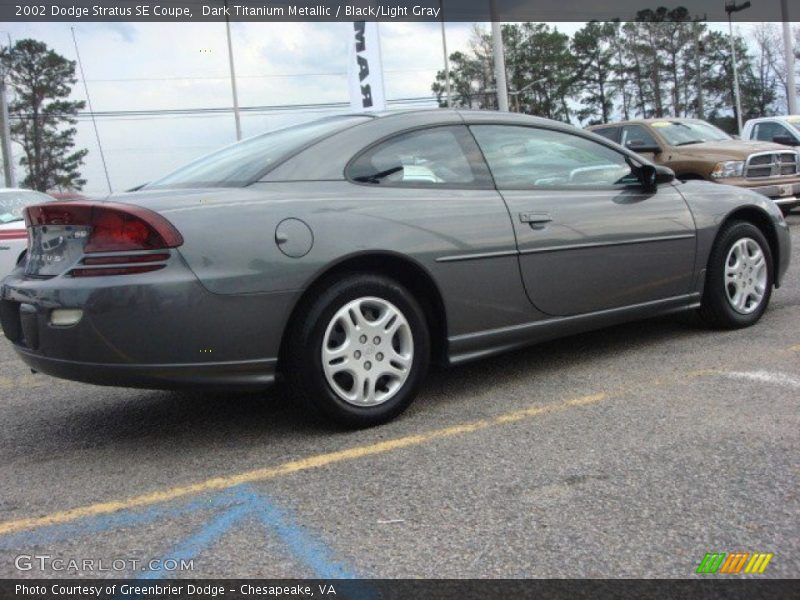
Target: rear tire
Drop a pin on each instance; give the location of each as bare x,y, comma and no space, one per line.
359,351
739,277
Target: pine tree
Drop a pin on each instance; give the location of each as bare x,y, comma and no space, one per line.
43,119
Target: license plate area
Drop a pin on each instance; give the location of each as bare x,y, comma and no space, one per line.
55,248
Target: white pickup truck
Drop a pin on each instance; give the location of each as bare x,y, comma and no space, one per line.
781,130
13,235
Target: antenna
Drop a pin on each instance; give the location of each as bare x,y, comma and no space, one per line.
89,102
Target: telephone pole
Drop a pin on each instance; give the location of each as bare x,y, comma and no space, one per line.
730,8
791,86
446,58
499,61
5,133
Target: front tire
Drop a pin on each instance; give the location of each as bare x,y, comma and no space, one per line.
739,277
358,352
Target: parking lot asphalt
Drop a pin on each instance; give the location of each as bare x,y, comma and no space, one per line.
627,452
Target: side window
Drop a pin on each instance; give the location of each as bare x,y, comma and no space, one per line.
767,130
637,136
442,156
525,157
611,133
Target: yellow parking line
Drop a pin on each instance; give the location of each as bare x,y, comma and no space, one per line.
295,466
321,460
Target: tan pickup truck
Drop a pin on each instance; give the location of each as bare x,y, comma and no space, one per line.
695,149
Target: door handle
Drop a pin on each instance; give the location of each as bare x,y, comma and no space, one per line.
536,220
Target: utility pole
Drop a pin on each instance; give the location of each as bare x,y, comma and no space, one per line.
732,7
5,133
791,86
499,61
236,116
446,58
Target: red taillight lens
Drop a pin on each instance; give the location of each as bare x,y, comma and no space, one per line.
114,271
115,227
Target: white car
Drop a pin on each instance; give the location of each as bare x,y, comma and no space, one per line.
13,235
781,130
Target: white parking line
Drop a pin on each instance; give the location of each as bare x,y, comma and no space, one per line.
765,377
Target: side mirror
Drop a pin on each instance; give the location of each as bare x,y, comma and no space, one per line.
664,174
651,175
639,146
786,140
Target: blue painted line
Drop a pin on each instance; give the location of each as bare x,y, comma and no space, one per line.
305,547
128,518
192,546
237,503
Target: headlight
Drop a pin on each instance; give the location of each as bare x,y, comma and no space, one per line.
729,168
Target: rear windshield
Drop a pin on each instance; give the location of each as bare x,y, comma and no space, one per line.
245,162
13,202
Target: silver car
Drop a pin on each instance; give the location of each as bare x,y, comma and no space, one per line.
345,255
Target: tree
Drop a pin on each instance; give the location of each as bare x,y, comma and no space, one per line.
594,51
471,75
650,67
540,71
43,117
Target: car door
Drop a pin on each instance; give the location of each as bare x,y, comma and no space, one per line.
589,237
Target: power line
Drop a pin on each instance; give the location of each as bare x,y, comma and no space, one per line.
266,76
89,102
213,111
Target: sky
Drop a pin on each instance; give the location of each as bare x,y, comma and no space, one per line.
147,66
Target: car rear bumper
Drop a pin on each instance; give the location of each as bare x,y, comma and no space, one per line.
157,330
210,375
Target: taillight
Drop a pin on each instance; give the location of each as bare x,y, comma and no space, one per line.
114,227
111,228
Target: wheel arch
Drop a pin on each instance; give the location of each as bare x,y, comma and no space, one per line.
401,268
761,219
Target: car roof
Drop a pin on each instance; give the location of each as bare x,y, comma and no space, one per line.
644,122
468,114
787,118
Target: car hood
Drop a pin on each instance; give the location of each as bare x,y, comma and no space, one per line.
728,149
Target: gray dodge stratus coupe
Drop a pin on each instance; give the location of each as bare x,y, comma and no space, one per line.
347,254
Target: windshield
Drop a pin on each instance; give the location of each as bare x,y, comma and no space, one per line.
244,162
682,133
12,203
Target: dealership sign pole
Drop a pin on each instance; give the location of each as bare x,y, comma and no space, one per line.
365,68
